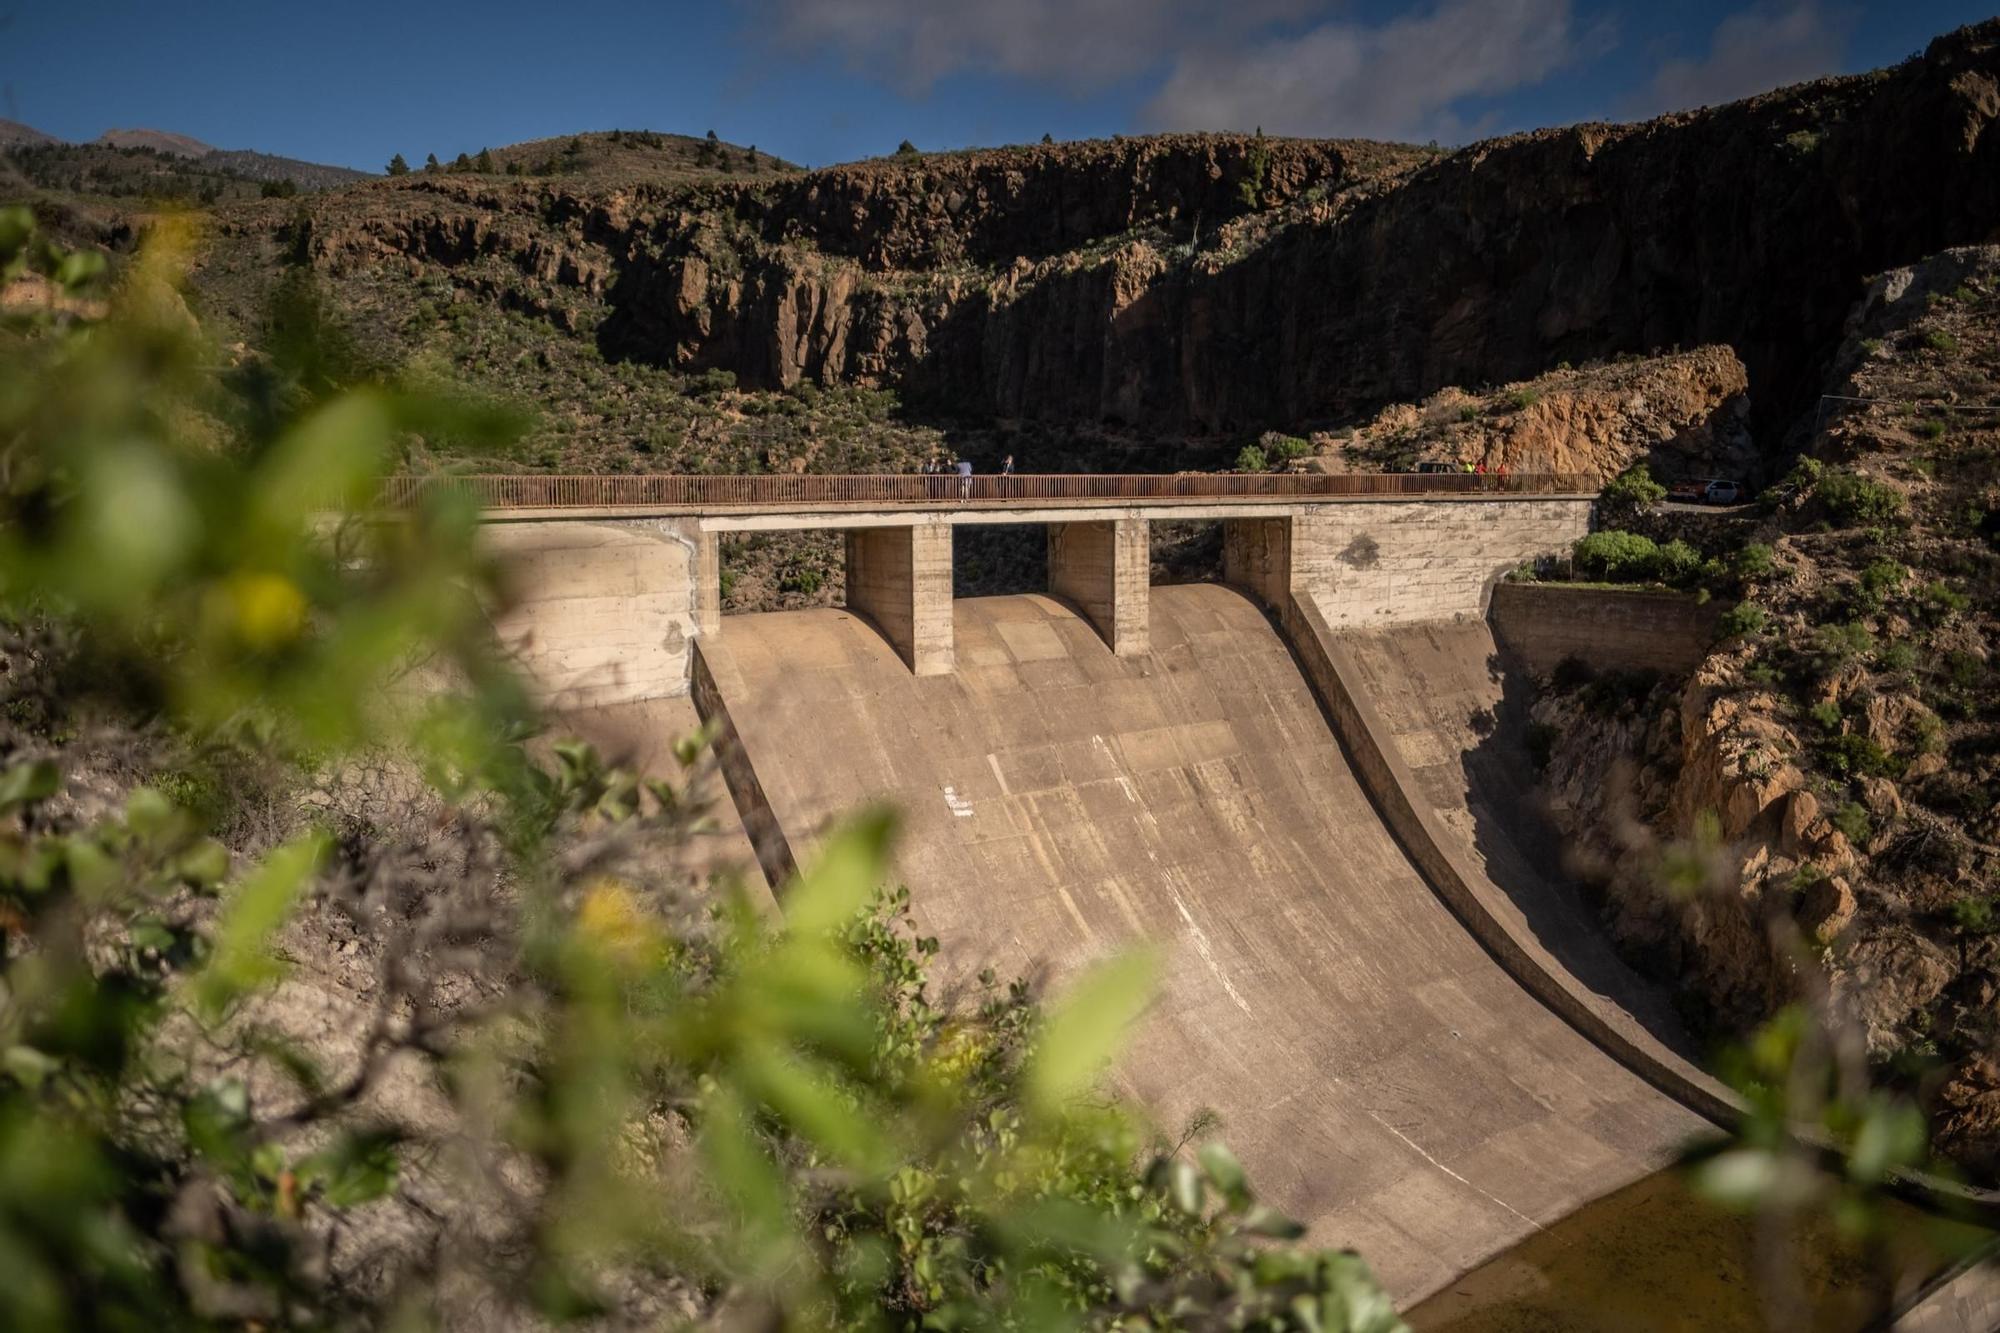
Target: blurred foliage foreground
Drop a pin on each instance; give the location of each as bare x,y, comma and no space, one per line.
576,1082
548,1074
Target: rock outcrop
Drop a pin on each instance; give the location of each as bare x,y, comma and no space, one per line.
1202,284
1819,804
1684,413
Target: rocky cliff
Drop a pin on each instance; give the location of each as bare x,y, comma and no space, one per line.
1681,413
1822,797
1210,285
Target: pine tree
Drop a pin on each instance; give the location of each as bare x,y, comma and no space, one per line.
484,162
906,149
398,167
750,157
431,162
1048,138
461,163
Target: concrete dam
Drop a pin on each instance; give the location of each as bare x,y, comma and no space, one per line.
1413,1034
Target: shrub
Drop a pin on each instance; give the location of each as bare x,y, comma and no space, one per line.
1742,619
1755,561
1616,556
1976,915
1635,486
1938,601
1853,822
1931,430
1468,412
1677,562
1882,577
1283,448
1834,646
1522,399
1963,669
1896,656
1853,754
1852,500
1940,341
1825,715
716,381
1251,459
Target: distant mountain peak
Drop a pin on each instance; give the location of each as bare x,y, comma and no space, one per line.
160,141
14,134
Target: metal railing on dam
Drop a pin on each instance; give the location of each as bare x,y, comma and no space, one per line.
694,492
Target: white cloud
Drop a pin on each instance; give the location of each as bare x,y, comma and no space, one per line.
1405,79
1083,45
1765,46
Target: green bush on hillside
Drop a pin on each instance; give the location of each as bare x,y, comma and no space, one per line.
1741,620
1616,556
1635,486
1250,458
1852,500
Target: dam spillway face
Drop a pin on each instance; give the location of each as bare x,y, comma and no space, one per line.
1383,1077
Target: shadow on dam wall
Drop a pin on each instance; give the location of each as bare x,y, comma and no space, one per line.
1386,1079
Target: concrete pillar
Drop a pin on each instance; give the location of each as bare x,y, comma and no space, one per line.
1257,557
900,578
1106,569
597,612
708,583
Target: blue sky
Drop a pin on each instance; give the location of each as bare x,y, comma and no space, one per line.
820,81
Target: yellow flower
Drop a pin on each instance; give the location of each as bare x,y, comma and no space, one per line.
268,609
611,919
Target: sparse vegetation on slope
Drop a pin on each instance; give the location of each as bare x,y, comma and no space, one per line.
1837,760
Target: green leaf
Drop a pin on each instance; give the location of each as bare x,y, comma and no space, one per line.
1263,1220
205,863
1225,1172
28,1066
357,1168
78,268
149,814
1081,1036
1184,1186
17,224
36,780
252,912
215,1119
1891,1135
840,884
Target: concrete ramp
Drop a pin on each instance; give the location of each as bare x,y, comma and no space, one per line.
1384,1078
1456,715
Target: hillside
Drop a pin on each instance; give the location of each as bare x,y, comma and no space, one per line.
145,167
1138,301
1845,739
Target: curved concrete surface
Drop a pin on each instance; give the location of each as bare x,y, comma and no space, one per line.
1457,720
1383,1077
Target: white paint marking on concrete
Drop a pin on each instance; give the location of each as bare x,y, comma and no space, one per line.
959,805
1492,1198
993,762
1202,947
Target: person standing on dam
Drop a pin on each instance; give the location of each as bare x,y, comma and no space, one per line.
964,478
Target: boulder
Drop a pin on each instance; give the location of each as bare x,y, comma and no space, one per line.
1881,798
1826,910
